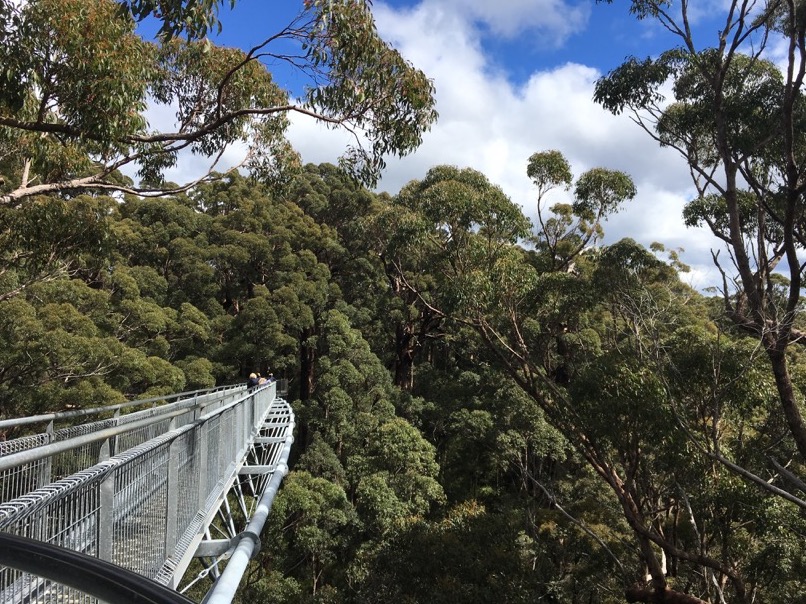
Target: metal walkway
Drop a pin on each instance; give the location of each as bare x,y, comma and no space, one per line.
175,489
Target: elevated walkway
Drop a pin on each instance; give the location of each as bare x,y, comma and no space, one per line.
174,489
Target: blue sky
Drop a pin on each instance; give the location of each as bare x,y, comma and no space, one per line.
590,32
514,77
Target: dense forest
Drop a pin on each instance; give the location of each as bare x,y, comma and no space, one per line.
489,408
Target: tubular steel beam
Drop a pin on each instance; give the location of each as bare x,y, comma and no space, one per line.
223,592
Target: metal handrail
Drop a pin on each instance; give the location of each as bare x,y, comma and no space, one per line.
157,498
73,413
84,573
31,455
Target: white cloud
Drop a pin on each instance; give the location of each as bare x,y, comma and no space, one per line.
488,124
491,125
554,19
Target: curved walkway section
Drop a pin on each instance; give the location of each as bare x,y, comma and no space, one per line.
83,573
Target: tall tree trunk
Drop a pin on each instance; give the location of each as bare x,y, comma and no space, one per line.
789,400
307,363
405,349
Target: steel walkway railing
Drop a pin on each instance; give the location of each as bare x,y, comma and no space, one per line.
149,491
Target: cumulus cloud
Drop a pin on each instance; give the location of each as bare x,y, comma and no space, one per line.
492,125
554,19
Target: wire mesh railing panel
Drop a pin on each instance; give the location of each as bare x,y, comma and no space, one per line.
231,442
16,482
181,420
24,443
64,514
212,405
213,437
72,521
75,460
80,430
139,436
187,417
146,508
18,587
189,466
140,512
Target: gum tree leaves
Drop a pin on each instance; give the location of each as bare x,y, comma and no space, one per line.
79,79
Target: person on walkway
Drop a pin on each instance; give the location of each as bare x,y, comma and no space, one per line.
252,381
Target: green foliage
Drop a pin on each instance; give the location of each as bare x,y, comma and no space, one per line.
202,80
405,461
599,192
610,391
76,79
81,58
634,83
198,373
750,103
735,118
309,523
477,555
564,402
385,97
549,169
319,459
61,351
565,233
195,18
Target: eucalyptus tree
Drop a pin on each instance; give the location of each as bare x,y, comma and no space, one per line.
363,474
264,254
308,534
591,336
343,209
67,344
567,229
735,115
454,213
85,322
51,239
77,80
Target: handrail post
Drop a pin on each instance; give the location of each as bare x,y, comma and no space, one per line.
106,519
47,463
113,442
172,498
204,463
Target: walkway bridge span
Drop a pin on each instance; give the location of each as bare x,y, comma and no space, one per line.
143,501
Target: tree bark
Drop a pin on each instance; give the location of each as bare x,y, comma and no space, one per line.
405,349
307,362
789,401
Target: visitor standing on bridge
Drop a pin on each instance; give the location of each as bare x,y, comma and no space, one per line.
252,381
